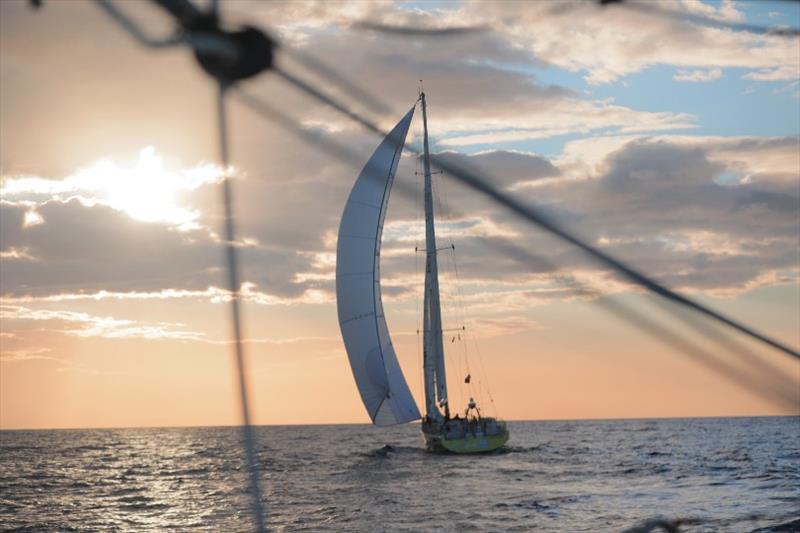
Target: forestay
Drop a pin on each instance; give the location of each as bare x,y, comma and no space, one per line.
380,380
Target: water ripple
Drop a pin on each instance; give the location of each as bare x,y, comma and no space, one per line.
737,475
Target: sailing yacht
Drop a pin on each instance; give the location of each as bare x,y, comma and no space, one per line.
377,373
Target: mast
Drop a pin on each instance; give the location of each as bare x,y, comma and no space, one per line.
433,346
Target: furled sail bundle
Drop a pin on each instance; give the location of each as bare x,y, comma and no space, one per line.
380,380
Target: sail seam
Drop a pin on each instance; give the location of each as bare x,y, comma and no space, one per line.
357,317
374,414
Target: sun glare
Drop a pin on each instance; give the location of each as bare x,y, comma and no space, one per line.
148,191
32,218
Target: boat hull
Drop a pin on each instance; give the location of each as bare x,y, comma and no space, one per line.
446,438
482,444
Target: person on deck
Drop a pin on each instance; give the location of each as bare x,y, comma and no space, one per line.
470,406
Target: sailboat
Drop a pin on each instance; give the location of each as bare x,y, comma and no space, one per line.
377,373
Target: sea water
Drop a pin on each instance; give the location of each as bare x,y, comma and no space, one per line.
725,474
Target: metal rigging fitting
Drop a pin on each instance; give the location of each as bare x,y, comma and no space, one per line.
227,55
252,52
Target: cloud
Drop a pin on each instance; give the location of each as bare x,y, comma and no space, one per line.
660,205
214,295
680,207
147,191
703,214
85,325
725,11
35,354
698,75
98,248
784,72
689,201
616,41
65,365
19,254
32,218
764,159
607,43
507,325
568,115
96,326
482,88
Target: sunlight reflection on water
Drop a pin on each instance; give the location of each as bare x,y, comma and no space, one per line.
734,474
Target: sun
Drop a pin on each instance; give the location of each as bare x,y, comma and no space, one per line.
147,191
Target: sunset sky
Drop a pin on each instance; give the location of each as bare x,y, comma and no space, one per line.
671,145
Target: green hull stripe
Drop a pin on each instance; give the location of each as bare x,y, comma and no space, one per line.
475,444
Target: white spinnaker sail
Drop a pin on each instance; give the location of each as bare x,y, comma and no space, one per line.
380,380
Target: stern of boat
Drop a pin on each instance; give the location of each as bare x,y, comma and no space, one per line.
465,436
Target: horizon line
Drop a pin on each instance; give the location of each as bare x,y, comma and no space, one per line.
598,419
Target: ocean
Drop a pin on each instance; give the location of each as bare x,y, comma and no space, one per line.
722,474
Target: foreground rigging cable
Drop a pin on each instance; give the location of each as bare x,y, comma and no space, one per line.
481,184
761,379
229,56
213,48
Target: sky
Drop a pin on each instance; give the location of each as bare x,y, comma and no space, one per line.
672,145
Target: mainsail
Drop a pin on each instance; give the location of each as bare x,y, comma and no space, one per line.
380,380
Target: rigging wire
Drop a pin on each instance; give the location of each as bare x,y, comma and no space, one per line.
333,76
447,213
478,355
185,13
440,199
481,184
223,57
135,31
760,385
661,11
418,32
731,345
221,50
654,329
234,286
565,7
